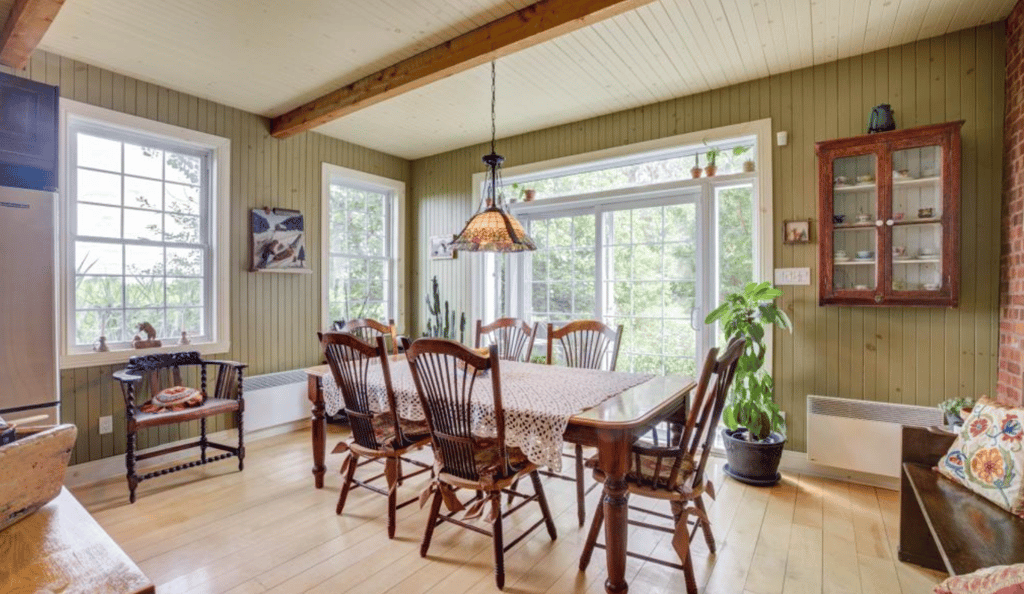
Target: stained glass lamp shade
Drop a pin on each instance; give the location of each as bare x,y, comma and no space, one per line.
493,229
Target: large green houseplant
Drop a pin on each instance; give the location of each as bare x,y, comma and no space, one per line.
754,425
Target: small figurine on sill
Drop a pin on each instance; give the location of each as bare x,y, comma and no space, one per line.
150,341
100,346
184,339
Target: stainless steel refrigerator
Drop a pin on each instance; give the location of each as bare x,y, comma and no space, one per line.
28,297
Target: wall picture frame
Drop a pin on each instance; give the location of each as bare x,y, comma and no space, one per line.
441,247
797,231
278,240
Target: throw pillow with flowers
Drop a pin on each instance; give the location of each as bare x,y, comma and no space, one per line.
988,455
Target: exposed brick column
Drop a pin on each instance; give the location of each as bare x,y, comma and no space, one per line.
1011,268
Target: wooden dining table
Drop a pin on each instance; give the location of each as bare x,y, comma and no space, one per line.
612,427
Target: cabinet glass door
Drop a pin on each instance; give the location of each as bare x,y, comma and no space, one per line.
854,216
917,221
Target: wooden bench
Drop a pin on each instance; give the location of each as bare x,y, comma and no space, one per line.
943,525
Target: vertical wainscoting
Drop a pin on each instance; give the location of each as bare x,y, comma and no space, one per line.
273,316
907,355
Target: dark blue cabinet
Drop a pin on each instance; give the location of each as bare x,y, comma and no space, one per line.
28,134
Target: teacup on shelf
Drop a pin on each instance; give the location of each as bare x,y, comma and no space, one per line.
838,219
841,255
842,180
861,287
863,218
865,254
866,178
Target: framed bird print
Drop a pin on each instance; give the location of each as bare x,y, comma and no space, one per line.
278,240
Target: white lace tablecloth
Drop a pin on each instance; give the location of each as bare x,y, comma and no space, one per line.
538,401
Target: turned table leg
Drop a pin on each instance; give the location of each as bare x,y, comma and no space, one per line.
316,397
613,455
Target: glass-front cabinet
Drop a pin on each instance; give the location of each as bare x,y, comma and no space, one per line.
889,207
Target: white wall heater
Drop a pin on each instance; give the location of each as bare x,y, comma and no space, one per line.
275,399
861,435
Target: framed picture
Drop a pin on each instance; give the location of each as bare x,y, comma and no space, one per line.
441,247
278,240
797,231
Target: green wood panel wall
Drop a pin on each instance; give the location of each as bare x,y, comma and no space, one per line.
909,355
273,316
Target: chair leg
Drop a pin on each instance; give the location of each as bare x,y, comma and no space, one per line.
202,439
499,543
691,580
129,461
346,482
681,544
538,488
241,439
392,497
595,529
435,509
581,505
709,537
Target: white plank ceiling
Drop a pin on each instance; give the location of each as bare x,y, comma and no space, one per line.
268,56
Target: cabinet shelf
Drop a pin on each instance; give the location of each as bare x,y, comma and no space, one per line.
856,263
915,183
918,222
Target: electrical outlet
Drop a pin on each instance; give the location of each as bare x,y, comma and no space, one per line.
792,276
106,425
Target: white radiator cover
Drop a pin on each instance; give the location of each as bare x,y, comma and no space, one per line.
275,399
861,435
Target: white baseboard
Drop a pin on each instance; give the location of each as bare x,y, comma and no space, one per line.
797,463
96,471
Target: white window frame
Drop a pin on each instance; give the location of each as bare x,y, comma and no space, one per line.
483,271
395,231
72,356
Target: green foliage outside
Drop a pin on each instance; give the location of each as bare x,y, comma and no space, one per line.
749,314
358,256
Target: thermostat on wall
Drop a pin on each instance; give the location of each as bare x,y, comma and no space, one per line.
792,276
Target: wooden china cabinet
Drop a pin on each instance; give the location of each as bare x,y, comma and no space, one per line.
889,211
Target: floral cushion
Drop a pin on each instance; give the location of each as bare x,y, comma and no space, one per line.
988,455
384,428
173,399
1003,579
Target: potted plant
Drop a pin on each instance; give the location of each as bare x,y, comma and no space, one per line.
753,435
956,410
712,154
739,151
695,171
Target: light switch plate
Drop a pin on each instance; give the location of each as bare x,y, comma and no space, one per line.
106,425
792,276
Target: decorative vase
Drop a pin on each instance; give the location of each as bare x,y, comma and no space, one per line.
881,119
753,462
748,166
710,170
695,172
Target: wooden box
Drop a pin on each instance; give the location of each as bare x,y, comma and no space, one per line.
32,470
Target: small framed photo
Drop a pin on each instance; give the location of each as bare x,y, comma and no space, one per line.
441,247
797,231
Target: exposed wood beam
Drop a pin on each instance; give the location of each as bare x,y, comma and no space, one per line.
25,28
530,26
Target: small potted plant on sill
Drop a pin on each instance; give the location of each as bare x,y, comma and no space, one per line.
695,171
712,154
739,151
753,436
956,410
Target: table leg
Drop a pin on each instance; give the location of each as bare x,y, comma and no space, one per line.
613,456
316,397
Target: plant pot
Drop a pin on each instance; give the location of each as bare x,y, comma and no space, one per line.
748,166
954,420
696,171
528,195
753,462
710,170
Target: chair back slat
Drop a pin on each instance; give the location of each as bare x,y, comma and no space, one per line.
446,373
349,358
513,337
368,330
586,344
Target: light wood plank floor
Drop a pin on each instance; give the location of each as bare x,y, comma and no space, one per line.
213,529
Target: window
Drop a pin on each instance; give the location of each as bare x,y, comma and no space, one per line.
143,224
630,240
360,230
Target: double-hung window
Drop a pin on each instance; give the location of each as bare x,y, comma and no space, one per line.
142,225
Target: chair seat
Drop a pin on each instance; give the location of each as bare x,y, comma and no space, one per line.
212,406
649,465
487,459
384,428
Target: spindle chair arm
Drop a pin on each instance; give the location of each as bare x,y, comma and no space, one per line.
225,367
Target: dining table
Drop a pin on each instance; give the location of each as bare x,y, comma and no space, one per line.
612,426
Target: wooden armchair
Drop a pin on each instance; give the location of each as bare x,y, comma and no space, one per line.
161,371
513,337
368,330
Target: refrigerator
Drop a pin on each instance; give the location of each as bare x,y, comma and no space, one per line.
28,311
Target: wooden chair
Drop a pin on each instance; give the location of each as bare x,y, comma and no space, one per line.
368,330
585,344
445,373
375,436
673,470
162,371
513,337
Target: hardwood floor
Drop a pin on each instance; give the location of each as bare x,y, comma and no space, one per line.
213,529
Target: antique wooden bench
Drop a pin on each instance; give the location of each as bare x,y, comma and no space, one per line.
943,525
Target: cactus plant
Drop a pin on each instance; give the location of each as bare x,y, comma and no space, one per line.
442,324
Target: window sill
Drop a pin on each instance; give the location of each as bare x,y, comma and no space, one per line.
121,356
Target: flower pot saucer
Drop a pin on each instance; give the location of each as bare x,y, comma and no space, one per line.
751,481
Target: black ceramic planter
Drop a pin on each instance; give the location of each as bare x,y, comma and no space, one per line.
753,462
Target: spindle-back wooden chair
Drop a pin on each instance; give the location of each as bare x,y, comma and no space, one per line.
368,330
673,470
513,337
585,344
446,373
375,435
165,370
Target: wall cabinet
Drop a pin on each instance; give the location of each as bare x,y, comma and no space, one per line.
889,212
28,134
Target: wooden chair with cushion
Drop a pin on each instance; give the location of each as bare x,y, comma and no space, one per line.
446,373
375,435
672,469
369,330
513,337
585,344
171,403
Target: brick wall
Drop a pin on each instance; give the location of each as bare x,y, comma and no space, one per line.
1011,276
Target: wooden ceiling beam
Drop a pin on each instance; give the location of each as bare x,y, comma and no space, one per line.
25,27
535,24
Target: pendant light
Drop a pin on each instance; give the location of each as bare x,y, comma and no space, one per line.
493,228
